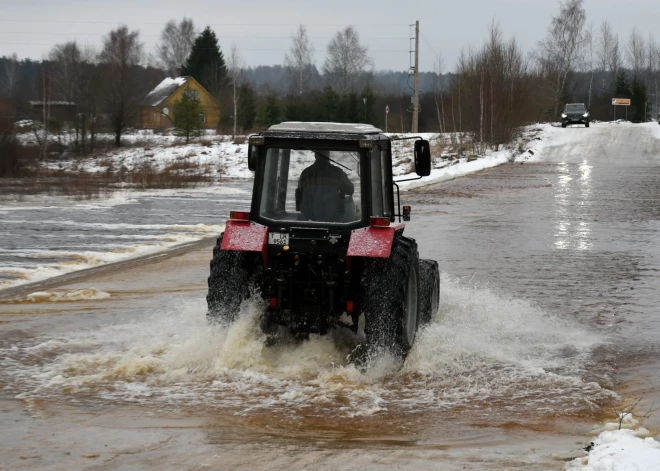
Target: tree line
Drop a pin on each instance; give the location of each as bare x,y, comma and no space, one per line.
493,90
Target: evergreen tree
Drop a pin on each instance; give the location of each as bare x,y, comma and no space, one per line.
188,117
296,109
351,108
206,63
639,109
268,112
621,85
247,108
327,108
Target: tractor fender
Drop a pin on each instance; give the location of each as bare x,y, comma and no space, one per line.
246,236
372,241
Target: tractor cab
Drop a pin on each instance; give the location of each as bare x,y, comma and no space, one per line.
324,175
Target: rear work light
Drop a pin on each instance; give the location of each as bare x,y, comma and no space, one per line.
256,141
379,222
239,216
366,143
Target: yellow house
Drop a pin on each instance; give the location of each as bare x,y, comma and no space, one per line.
157,108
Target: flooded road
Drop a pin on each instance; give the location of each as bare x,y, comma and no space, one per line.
548,317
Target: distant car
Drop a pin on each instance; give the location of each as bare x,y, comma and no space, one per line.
575,113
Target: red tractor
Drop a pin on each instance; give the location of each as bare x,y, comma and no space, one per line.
320,240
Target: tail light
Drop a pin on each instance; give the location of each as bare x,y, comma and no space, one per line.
239,216
379,222
349,306
273,303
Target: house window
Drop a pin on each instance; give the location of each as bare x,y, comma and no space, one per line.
203,116
157,118
191,94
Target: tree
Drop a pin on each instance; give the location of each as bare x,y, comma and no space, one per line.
176,42
605,50
121,54
327,109
206,63
562,47
8,83
346,58
247,109
636,52
299,59
268,112
66,70
234,70
622,87
188,117
639,101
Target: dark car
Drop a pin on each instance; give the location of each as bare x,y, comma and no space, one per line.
575,113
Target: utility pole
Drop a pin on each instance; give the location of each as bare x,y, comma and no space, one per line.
415,116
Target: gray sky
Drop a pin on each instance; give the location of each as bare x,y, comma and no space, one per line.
262,28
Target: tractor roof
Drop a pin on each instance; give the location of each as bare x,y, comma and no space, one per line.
325,128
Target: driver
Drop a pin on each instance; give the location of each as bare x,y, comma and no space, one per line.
321,190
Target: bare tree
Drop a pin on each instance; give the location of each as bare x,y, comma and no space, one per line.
654,67
9,80
121,53
66,63
589,60
234,65
636,52
299,59
604,52
176,41
438,82
562,47
346,58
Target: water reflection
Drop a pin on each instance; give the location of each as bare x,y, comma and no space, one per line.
573,201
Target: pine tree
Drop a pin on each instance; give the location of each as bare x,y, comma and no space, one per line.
639,112
621,85
327,109
247,108
268,112
188,117
206,63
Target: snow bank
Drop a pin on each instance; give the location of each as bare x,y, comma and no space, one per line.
628,449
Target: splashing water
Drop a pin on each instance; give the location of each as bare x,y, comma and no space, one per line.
481,352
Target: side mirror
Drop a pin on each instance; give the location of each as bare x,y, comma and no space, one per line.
422,158
252,157
406,213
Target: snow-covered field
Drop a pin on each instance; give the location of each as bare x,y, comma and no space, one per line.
219,156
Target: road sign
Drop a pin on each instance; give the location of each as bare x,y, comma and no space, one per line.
387,109
620,101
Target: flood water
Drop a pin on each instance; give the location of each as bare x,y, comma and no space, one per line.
548,318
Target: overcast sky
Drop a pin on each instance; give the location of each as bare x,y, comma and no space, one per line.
262,28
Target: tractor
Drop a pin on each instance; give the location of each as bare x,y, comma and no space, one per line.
321,244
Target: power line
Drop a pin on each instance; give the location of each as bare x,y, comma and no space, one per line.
217,35
209,24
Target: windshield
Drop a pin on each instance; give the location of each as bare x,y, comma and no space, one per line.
311,185
579,108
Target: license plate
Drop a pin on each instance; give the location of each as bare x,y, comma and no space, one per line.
278,238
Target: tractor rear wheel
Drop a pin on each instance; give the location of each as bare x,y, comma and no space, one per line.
391,300
234,276
429,290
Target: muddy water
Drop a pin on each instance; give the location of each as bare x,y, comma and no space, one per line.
548,296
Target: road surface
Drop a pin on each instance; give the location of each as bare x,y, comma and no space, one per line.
548,319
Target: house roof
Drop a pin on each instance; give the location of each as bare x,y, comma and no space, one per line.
163,91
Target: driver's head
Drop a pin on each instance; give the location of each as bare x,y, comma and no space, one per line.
321,156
